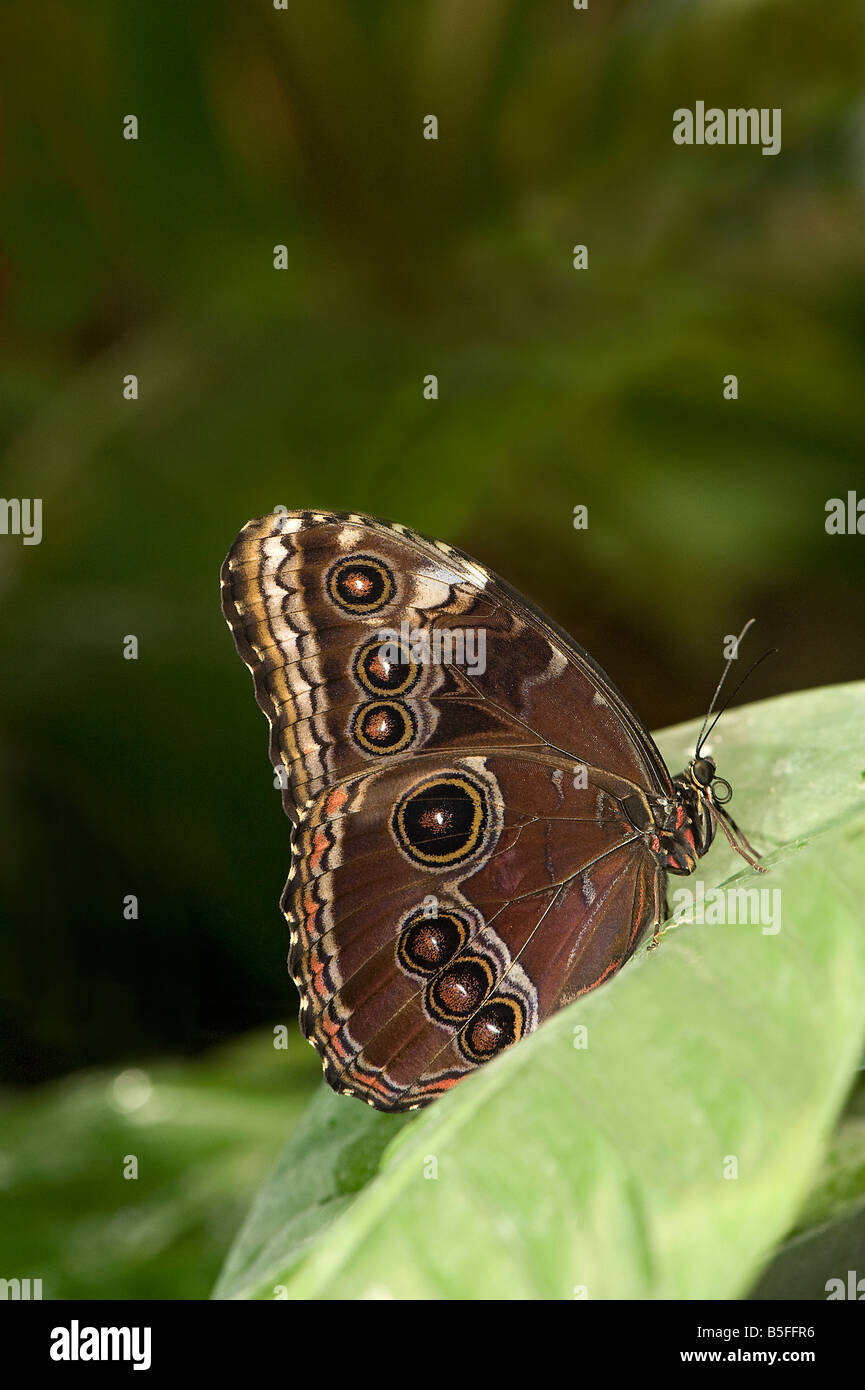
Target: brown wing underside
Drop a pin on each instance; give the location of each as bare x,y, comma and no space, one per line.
462,865
553,902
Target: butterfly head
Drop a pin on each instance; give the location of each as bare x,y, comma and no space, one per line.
702,774
701,771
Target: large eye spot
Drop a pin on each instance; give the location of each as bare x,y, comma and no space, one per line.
426,944
442,821
383,726
360,584
376,671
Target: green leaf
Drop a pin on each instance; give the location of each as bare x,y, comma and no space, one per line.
332,1155
609,1169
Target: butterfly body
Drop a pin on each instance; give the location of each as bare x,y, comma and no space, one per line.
475,842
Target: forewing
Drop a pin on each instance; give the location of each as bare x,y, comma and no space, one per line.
287,595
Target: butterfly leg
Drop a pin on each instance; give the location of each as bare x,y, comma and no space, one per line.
738,839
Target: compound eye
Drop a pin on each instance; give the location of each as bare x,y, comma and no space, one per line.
704,770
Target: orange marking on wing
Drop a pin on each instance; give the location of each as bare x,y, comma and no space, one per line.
320,845
372,1082
435,1088
336,801
311,908
332,1024
337,1048
317,965
613,966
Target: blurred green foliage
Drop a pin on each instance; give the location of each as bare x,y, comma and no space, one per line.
829,1235
77,1215
304,387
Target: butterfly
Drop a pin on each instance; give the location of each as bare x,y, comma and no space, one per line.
482,828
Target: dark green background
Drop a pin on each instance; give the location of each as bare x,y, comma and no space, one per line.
304,387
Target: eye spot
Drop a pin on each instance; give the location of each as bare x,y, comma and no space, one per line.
426,944
376,672
442,821
494,1027
453,996
383,726
360,584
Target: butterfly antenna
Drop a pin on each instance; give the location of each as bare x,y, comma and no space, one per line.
703,734
760,659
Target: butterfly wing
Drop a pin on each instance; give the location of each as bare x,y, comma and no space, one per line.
420,952
463,865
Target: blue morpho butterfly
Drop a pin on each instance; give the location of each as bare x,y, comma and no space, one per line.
482,828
